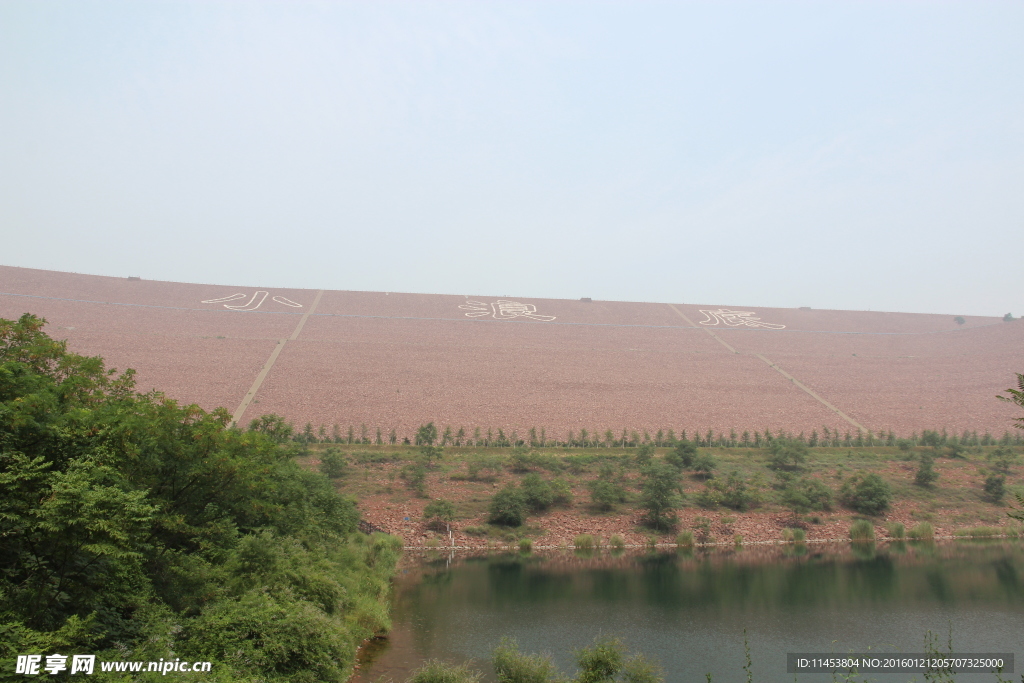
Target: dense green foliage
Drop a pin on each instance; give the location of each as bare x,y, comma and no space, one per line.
867,494
661,495
137,529
508,507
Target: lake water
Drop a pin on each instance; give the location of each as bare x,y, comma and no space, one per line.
689,610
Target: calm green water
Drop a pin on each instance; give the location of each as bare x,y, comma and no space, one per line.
690,612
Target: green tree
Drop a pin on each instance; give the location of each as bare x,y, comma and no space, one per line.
537,492
273,427
995,487
926,475
682,456
787,454
704,465
440,511
806,494
333,464
867,494
426,435
431,453
508,507
126,517
661,495
1016,396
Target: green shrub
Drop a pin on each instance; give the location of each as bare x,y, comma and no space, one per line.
682,456
435,671
526,546
806,494
441,513
605,494
475,530
704,465
867,494
896,530
735,492
600,662
561,493
862,530
995,487
923,531
513,666
508,507
1003,459
584,542
483,468
787,454
926,474
333,464
981,531
520,461
794,535
643,455
660,495
537,493
685,539
708,497
415,476
617,542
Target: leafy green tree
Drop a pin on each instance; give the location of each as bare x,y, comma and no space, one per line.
126,517
806,494
333,464
426,435
508,507
537,493
415,475
1016,396
440,511
644,454
704,465
867,494
682,456
605,494
431,453
1003,459
995,487
661,495
733,492
787,454
926,475
273,427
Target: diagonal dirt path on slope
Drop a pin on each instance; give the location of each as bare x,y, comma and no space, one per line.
776,368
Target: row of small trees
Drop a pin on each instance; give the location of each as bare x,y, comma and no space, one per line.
429,435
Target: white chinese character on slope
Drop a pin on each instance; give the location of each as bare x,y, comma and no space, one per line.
504,309
255,302
28,664
83,664
736,319
55,664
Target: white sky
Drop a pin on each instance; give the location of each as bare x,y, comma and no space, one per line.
860,155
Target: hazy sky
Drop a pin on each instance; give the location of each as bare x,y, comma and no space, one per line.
861,155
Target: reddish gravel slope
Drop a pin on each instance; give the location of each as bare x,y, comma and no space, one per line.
394,360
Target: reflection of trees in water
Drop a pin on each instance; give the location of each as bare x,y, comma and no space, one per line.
1008,577
834,578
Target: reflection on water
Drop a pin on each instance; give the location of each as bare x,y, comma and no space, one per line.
690,609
